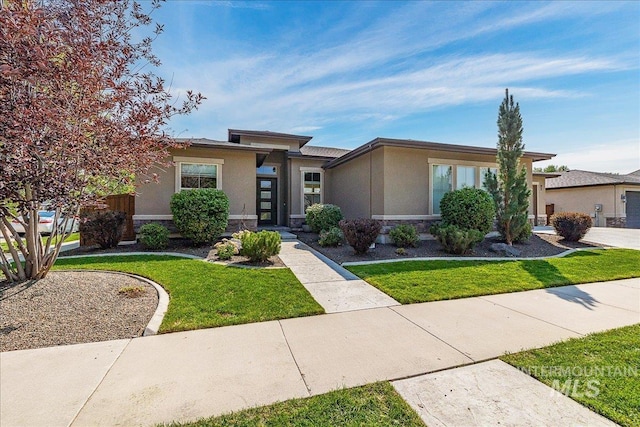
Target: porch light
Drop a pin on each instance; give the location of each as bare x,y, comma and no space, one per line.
623,198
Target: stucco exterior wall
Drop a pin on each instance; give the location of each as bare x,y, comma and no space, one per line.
238,178
284,144
348,187
584,199
539,187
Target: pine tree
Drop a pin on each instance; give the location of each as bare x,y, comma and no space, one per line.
509,187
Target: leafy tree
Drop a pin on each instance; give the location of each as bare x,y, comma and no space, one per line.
79,110
509,187
552,168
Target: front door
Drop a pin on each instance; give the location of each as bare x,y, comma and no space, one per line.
267,201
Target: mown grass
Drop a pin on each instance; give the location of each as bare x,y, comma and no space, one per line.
372,405
604,368
70,238
421,281
204,295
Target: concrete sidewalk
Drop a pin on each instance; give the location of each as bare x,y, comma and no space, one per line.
332,286
184,376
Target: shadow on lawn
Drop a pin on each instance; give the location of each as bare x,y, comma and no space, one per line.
550,276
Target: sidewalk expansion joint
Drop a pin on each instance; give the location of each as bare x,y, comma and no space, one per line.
432,334
294,359
73,420
533,317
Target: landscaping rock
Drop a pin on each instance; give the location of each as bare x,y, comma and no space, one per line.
504,249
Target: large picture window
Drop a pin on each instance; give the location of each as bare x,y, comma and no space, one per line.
465,177
442,183
311,189
196,175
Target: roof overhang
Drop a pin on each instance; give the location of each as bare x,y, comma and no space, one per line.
235,134
427,145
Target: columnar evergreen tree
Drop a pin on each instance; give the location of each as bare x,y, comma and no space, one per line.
509,187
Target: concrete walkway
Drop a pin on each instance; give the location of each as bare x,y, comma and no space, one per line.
184,376
333,287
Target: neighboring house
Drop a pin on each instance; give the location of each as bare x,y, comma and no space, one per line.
271,178
612,200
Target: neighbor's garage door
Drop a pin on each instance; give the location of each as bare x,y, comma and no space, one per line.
633,209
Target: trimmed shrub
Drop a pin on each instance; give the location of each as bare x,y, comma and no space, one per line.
455,240
469,209
323,217
258,247
404,236
201,215
226,249
360,233
571,225
104,228
331,237
154,236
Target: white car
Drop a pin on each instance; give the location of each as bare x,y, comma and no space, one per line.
45,223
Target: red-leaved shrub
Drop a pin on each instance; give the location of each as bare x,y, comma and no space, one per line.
571,225
360,233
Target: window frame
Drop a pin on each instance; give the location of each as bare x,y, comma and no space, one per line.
453,163
179,161
304,170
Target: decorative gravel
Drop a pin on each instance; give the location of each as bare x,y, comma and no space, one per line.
73,307
539,245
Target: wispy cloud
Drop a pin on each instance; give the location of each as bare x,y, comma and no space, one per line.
615,156
389,68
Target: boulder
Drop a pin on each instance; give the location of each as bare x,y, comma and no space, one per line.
504,250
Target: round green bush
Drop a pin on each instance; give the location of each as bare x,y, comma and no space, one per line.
404,235
323,217
201,215
468,209
331,237
154,236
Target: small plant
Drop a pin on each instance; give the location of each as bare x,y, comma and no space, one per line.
401,251
469,209
331,237
132,291
323,217
572,226
104,228
455,240
404,236
360,233
258,247
226,249
154,236
201,215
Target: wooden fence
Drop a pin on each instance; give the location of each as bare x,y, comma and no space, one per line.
121,202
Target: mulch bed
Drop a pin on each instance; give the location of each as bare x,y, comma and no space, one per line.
179,245
69,307
539,245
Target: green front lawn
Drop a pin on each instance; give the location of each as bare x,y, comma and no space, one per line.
204,295
601,371
421,281
371,405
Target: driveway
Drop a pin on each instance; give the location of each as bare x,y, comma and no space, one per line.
618,237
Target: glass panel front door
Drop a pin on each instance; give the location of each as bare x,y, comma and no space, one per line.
267,201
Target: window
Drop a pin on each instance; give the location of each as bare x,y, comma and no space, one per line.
483,172
465,177
195,175
266,170
311,189
442,184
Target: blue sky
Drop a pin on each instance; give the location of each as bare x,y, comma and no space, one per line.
347,72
